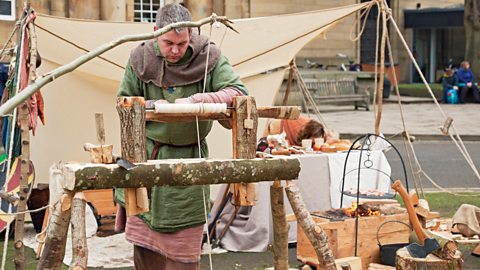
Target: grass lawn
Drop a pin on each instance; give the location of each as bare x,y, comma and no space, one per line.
447,204
444,203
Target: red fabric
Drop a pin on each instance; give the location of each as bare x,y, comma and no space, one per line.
292,128
223,96
181,246
35,104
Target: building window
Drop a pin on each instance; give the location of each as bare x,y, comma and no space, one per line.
146,10
7,10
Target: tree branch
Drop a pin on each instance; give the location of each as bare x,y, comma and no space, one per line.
60,71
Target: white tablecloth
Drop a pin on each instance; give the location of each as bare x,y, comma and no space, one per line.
319,181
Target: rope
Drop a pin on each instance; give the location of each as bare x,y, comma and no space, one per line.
404,125
12,131
79,47
457,141
198,141
9,39
303,88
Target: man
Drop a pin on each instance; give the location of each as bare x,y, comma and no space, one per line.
466,82
171,68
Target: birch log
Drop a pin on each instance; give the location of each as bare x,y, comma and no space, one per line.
56,238
404,261
8,106
79,234
183,172
314,233
280,228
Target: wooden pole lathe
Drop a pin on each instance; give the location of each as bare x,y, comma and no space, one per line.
244,136
131,111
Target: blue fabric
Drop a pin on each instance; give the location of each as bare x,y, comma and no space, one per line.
465,75
3,77
452,96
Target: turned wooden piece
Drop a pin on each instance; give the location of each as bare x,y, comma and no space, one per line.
406,262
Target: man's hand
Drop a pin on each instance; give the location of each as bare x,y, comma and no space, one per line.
455,87
469,84
161,101
183,101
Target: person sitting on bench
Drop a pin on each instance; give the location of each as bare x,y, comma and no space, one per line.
466,82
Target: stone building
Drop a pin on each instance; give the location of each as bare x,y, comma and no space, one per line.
433,29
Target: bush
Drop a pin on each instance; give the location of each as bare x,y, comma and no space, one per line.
420,90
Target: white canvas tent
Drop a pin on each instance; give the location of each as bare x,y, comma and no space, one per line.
259,54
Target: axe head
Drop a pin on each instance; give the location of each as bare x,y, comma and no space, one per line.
125,164
419,251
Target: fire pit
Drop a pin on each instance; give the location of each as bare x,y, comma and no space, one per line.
339,225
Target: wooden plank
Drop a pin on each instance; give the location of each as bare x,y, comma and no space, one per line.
342,237
278,112
244,145
102,200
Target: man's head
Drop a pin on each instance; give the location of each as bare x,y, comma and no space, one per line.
465,64
173,44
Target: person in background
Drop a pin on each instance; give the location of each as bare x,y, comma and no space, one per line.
171,69
466,82
296,130
449,81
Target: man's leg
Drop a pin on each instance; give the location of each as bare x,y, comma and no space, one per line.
145,259
476,95
463,94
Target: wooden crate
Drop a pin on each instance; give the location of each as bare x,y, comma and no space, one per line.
102,200
341,236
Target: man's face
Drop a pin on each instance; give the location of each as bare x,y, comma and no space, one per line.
173,44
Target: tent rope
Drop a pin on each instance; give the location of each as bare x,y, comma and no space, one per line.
79,47
214,20
458,141
306,94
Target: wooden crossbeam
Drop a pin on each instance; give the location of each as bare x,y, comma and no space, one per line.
179,172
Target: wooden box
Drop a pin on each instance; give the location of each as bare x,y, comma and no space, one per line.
341,236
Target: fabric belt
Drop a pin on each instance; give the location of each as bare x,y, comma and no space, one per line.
157,146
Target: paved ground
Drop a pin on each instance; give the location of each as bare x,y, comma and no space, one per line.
421,119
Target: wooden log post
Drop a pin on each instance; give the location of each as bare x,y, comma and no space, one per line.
131,111
24,189
79,234
280,227
25,158
314,232
244,136
56,238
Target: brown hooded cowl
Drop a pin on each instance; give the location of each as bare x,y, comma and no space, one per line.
152,68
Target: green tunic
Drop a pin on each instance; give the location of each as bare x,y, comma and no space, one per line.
176,208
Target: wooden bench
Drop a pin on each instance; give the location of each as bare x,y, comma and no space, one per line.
338,91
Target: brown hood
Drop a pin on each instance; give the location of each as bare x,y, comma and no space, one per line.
152,68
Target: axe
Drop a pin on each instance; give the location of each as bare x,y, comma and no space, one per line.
428,245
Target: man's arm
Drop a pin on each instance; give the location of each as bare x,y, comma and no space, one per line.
130,84
224,85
